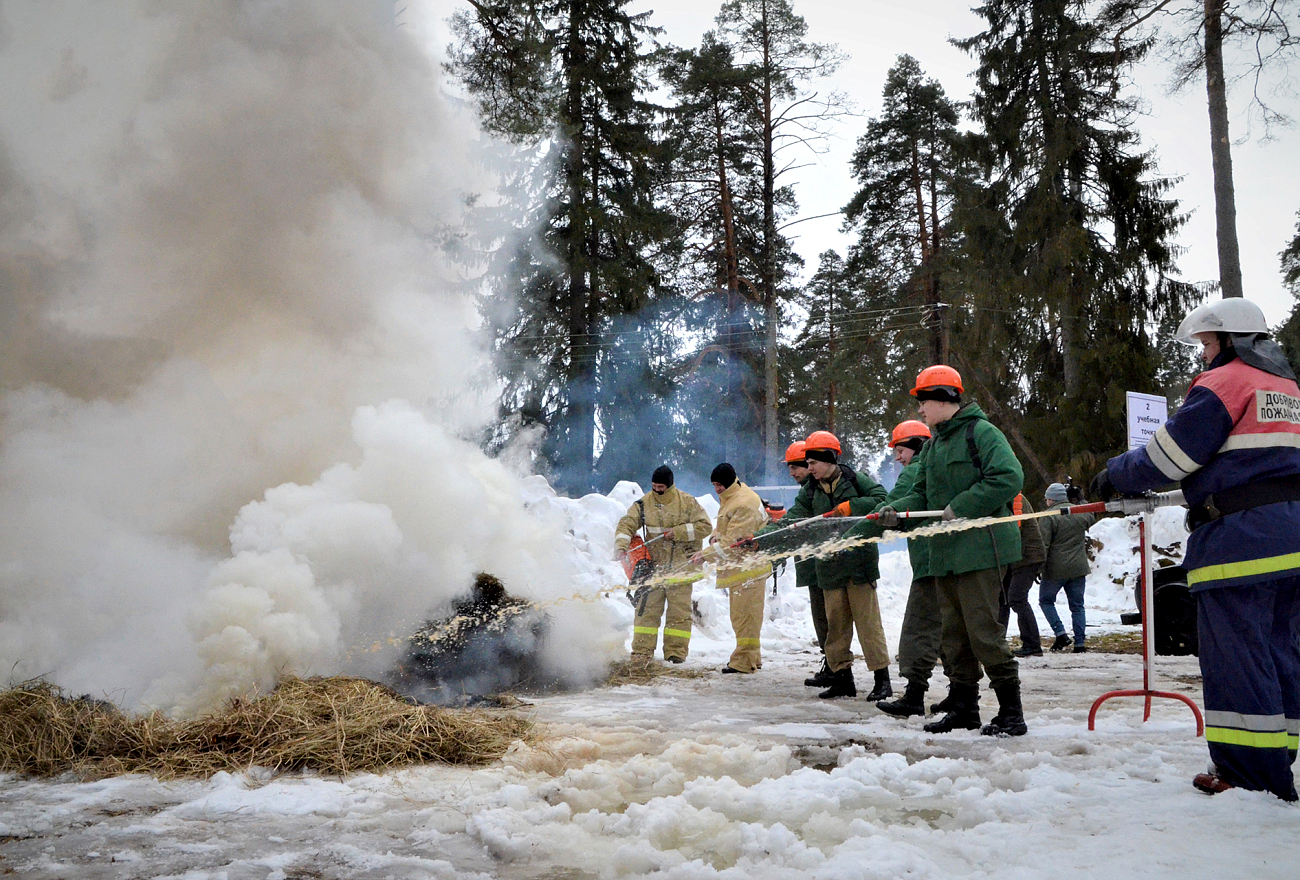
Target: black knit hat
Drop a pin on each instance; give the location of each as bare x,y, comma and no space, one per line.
826,455
944,393
724,475
663,474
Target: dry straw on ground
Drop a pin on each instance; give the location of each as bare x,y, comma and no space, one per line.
644,672
333,726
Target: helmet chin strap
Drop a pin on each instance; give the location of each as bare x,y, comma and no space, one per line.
1262,353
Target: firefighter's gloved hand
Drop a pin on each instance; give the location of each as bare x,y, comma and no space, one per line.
888,517
1101,486
749,545
841,509
948,515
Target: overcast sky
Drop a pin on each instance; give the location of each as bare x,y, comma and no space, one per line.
875,32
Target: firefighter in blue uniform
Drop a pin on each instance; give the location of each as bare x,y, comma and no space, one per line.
1234,445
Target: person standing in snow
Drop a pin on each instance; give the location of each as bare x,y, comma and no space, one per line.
740,516
1066,568
922,630
680,525
805,570
1234,445
967,470
847,580
1019,580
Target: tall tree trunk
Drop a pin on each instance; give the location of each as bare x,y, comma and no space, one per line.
731,270
768,272
832,366
1225,201
938,326
927,270
582,367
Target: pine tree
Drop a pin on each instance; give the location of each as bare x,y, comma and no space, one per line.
712,137
1069,250
768,35
1288,335
1199,32
905,164
568,77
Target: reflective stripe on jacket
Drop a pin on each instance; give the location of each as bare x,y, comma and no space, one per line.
1238,424
674,510
741,515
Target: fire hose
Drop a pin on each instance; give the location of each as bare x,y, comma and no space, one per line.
754,554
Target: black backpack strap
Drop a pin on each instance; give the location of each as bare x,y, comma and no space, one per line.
640,504
972,449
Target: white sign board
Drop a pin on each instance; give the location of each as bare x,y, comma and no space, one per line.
1146,413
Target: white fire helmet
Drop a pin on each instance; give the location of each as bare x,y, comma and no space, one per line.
1230,315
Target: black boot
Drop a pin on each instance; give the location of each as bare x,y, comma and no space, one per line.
1010,720
883,687
963,712
1062,642
821,678
841,685
944,705
912,702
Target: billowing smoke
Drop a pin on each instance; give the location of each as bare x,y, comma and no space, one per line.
237,377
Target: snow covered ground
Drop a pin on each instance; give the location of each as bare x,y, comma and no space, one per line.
718,776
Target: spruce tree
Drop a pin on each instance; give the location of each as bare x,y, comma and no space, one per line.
569,77
1069,254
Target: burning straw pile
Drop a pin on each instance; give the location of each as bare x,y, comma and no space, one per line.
333,726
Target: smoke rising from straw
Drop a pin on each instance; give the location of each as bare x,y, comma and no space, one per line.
235,372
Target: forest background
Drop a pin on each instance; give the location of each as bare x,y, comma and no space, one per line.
643,293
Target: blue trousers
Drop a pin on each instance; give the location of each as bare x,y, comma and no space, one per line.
1073,587
1250,666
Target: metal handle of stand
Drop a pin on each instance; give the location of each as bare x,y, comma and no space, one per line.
1148,625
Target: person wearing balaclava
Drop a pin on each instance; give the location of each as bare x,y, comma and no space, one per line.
1234,447
740,515
673,525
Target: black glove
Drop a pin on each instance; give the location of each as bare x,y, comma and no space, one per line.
1101,486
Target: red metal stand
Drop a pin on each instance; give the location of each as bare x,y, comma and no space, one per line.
1148,642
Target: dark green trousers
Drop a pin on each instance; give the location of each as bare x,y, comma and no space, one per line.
920,639
972,635
817,601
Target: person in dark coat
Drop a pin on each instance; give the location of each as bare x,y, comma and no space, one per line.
1019,580
1066,568
1234,445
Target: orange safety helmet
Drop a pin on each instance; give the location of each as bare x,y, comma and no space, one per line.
939,374
907,430
822,440
794,452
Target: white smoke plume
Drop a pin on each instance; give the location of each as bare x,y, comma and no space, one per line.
237,372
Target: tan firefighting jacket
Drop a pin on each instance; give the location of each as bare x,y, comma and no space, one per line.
674,511
740,516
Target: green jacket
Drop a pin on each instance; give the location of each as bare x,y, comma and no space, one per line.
918,549
948,477
1066,540
805,570
861,564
